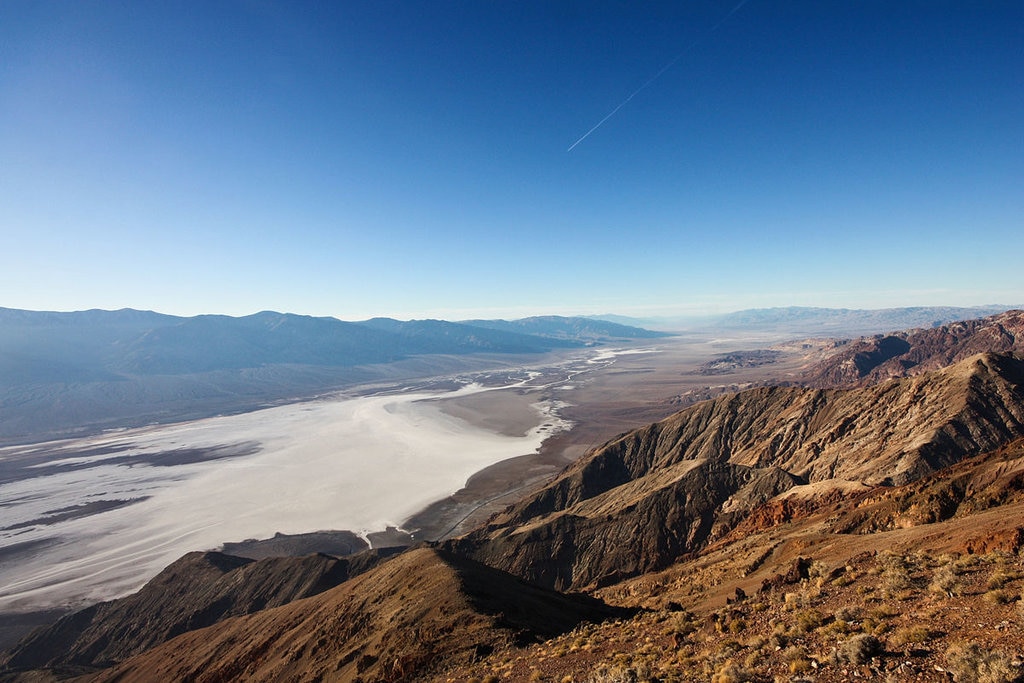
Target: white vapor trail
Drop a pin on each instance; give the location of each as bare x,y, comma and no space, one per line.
656,76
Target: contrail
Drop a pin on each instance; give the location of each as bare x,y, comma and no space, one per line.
656,76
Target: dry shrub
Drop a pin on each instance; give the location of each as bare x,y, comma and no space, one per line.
884,612
849,613
640,673
797,659
808,620
896,575
911,635
682,624
946,580
841,628
732,672
859,649
800,666
844,580
971,663
737,625
1000,578
998,597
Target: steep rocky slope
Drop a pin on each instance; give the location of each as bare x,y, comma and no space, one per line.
418,613
777,532
654,495
888,583
196,591
922,598
902,354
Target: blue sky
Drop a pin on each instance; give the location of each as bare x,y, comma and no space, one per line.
412,159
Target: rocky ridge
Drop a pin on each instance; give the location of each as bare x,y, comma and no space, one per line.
658,494
813,509
195,591
416,614
870,360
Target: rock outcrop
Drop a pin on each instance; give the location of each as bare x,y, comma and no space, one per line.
196,591
646,499
870,360
419,612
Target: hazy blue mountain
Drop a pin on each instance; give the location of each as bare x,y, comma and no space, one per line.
810,321
212,342
440,336
836,321
61,373
575,328
45,346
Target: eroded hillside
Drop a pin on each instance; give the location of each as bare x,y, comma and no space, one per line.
902,354
662,492
781,533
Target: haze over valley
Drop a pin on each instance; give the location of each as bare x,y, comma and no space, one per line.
511,342
93,517
375,468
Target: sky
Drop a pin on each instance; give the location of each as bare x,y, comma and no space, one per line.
462,159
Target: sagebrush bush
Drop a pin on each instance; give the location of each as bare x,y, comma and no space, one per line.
1000,578
946,580
911,635
639,673
998,597
849,613
971,663
859,649
733,673
808,620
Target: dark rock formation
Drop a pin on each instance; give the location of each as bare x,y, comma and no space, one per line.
903,354
414,614
196,591
653,495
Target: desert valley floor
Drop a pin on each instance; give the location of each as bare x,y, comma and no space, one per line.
94,518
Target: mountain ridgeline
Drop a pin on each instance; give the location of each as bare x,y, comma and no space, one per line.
662,492
905,491
68,373
817,322
104,344
869,360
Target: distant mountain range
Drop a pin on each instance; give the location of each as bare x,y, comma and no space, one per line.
63,374
836,532
97,344
67,371
558,327
810,321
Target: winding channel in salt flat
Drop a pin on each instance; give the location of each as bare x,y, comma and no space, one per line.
94,518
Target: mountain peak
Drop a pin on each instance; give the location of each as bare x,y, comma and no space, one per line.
417,612
691,470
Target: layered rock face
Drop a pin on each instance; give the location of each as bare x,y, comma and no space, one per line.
744,480
870,360
646,499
